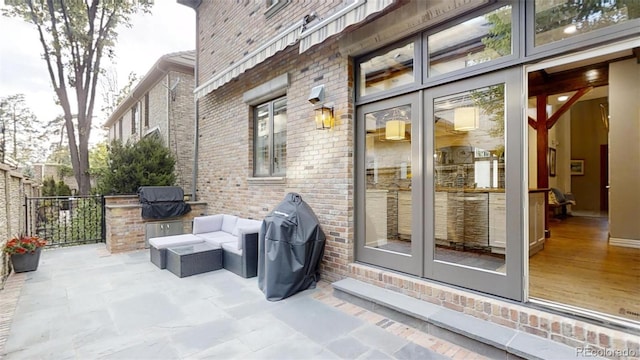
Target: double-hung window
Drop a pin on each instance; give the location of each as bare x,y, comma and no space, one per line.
270,138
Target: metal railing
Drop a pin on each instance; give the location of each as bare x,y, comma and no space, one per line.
66,220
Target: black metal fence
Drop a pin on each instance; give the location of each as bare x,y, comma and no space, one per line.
66,220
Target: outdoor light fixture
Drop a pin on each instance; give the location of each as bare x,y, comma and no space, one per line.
324,117
563,98
466,118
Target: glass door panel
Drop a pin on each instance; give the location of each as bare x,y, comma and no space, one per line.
388,237
469,178
473,193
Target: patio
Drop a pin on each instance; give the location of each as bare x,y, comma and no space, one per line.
85,303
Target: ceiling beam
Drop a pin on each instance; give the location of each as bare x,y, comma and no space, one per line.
541,82
554,118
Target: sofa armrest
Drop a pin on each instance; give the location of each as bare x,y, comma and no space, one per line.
243,233
250,254
205,224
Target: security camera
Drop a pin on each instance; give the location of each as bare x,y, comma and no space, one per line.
317,94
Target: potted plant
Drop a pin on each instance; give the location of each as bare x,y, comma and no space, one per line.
24,251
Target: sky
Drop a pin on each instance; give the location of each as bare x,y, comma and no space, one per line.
169,28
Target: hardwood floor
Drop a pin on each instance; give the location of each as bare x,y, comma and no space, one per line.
577,267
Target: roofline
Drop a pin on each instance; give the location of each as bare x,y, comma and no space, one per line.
164,64
190,3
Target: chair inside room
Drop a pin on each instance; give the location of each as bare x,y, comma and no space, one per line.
559,201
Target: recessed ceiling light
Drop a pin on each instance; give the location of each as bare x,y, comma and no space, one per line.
563,98
570,29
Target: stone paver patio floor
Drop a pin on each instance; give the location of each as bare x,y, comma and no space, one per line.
84,303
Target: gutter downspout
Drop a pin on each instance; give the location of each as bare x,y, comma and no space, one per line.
196,133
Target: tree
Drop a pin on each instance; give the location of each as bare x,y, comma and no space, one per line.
98,159
75,35
22,136
147,162
112,95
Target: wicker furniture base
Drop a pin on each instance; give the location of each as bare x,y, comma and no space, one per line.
194,259
158,247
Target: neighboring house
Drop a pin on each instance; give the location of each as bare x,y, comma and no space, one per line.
162,102
57,172
421,179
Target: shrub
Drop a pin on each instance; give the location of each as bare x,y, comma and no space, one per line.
144,163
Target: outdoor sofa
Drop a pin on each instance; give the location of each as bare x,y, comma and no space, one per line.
238,238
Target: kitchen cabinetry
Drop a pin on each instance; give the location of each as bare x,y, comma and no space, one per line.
536,220
376,218
404,215
162,228
441,218
497,222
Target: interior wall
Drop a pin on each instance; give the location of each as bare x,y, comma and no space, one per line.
587,134
624,152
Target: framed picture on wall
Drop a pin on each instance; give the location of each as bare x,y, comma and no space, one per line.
552,162
577,167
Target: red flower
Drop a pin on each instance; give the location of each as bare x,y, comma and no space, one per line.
23,243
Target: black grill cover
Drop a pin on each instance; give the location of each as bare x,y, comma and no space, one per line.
290,248
162,202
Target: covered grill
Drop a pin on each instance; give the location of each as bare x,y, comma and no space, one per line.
290,248
162,202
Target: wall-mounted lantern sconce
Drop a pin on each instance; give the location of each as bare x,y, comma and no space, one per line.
324,117
466,118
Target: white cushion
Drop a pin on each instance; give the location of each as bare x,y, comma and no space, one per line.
164,242
218,237
231,247
229,223
205,224
246,226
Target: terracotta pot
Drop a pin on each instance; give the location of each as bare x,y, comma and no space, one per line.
26,262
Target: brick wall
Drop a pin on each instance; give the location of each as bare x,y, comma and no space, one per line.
125,227
158,102
319,163
181,125
13,188
229,30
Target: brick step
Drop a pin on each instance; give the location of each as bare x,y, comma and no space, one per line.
483,337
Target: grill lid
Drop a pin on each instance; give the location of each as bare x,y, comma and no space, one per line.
162,202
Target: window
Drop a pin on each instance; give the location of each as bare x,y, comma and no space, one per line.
134,118
146,110
270,138
562,19
273,6
388,70
476,41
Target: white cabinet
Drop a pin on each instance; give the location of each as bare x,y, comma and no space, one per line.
440,210
497,222
162,228
376,218
404,214
536,221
